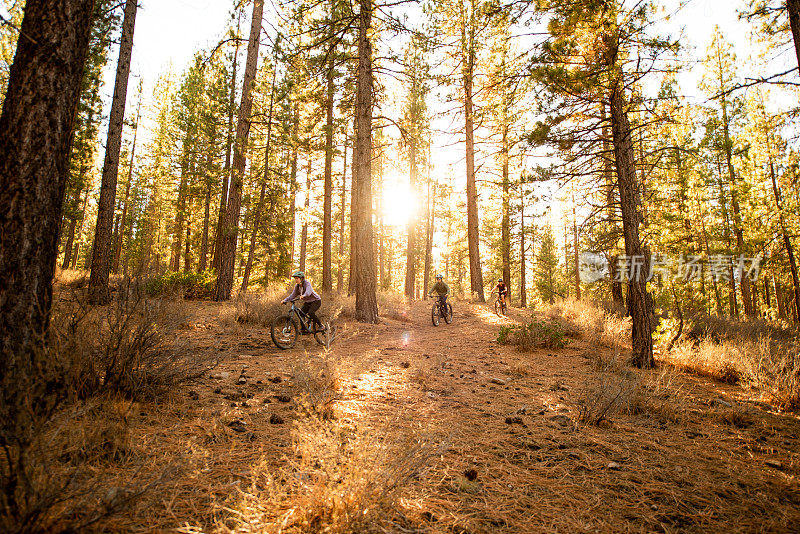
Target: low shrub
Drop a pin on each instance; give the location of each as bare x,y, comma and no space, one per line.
589,320
535,334
64,408
187,285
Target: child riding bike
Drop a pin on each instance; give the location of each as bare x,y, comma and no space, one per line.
311,300
441,289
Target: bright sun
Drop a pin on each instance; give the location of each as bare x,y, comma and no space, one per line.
399,202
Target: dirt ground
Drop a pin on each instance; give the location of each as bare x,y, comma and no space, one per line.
516,449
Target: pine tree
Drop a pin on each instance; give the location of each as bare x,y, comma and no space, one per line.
101,263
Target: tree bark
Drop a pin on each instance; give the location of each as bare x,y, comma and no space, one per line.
70,241
473,234
787,242
361,225
327,223
36,129
793,7
201,265
575,261
226,171
293,184
351,279
411,245
187,255
118,248
523,290
260,205
98,280
639,305
340,274
80,229
306,212
506,207
230,226
737,217
429,234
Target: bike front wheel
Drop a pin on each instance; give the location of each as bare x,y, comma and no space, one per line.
435,315
497,309
448,314
284,332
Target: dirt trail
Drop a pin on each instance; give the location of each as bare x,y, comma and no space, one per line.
691,456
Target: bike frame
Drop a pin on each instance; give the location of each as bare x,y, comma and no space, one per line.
305,320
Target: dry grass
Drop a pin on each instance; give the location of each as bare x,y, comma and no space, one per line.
342,478
65,416
620,390
594,324
772,368
77,279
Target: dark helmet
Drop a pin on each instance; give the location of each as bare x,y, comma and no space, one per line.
499,280
299,274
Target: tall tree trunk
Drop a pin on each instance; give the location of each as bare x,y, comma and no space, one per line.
98,280
201,265
361,225
429,233
187,255
118,248
411,245
506,207
70,240
36,130
787,242
226,171
473,234
639,304
351,279
306,214
80,229
327,223
523,289
617,296
293,184
737,216
793,7
260,205
340,274
575,261
231,224
180,216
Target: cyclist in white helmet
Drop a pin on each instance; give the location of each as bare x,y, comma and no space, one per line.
441,289
311,300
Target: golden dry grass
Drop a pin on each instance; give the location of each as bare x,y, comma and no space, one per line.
406,427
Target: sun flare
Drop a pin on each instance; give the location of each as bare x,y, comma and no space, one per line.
399,202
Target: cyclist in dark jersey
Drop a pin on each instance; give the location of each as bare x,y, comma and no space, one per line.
502,290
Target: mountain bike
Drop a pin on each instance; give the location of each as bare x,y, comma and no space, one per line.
440,310
500,306
285,329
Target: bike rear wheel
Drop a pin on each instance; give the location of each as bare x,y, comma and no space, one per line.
435,315
328,334
448,314
283,332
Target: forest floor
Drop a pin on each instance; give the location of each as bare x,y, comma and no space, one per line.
407,427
